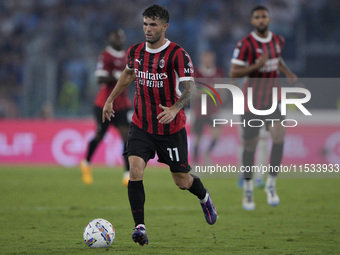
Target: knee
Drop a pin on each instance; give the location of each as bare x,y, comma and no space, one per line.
135,173
250,145
278,138
278,134
278,141
136,169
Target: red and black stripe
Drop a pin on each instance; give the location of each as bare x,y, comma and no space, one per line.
148,98
262,82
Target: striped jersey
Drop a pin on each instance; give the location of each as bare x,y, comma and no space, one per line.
158,74
111,63
247,52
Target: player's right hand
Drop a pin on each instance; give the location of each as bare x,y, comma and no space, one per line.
168,114
108,112
262,60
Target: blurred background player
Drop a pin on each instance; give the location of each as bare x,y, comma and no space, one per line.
111,62
261,156
207,70
258,55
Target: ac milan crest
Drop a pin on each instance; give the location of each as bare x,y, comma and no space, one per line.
162,63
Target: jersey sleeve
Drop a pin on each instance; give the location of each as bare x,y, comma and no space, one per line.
240,54
103,66
282,42
129,59
183,66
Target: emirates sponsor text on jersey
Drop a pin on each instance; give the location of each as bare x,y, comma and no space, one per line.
153,80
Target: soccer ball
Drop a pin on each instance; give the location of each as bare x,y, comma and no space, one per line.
99,233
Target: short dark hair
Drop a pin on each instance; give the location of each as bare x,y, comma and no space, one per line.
157,11
259,7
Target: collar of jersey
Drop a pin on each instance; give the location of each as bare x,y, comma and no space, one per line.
158,49
262,40
115,53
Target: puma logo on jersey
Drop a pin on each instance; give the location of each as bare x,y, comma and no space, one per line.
139,61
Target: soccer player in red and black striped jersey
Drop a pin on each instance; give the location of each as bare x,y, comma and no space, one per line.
258,56
110,65
158,124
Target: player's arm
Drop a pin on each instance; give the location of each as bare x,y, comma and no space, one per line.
109,78
124,81
106,79
238,71
169,113
292,78
104,72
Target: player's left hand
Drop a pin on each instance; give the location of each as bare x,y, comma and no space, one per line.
167,115
108,112
291,77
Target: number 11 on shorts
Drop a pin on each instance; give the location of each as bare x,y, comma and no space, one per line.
176,153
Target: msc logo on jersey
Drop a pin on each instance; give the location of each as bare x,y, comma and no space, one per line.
188,70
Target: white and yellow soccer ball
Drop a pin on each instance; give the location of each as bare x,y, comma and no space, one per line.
99,233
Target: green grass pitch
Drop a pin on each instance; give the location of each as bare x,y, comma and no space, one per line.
44,210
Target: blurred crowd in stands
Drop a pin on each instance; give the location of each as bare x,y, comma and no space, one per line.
71,33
